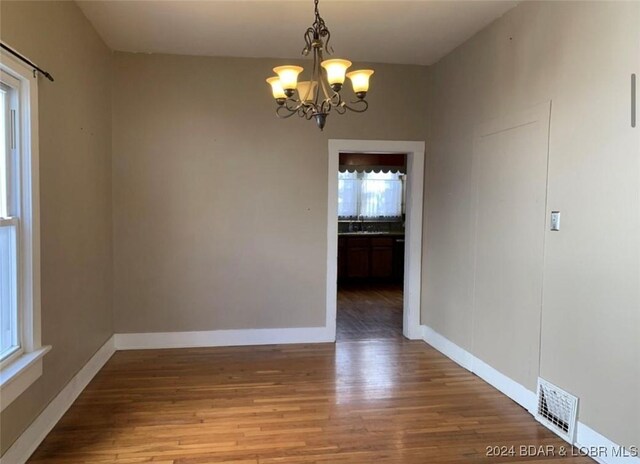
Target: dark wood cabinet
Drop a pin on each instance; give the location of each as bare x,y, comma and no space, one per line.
369,257
342,257
382,257
398,259
357,257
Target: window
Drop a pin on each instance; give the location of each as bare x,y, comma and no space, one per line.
370,194
10,343
20,348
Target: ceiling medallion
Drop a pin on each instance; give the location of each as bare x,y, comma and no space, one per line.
316,97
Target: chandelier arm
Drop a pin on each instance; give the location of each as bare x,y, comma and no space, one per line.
336,99
327,47
308,40
309,112
315,73
292,105
325,91
327,106
341,108
322,82
362,103
305,98
280,112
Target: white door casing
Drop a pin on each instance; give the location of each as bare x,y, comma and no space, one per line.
413,225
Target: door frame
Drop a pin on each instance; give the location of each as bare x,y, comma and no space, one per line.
415,152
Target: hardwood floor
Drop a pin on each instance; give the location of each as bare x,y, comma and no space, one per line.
369,311
388,401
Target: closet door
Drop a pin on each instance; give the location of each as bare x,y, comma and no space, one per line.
510,175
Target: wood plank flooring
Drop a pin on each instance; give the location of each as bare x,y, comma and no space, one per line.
369,311
384,401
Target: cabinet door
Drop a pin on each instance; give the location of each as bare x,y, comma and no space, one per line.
358,262
381,262
398,259
342,258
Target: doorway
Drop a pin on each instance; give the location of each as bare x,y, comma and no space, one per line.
410,287
371,212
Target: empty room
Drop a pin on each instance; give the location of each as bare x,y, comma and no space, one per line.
319,232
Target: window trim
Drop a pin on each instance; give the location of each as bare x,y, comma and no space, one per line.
18,373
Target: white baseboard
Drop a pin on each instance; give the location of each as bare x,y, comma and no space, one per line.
517,392
521,395
241,337
588,440
31,438
448,348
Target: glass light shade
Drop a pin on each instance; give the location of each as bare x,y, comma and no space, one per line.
336,70
360,79
276,87
303,88
288,76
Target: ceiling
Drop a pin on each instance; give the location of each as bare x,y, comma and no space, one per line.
408,32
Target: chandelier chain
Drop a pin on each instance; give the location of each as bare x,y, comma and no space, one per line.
315,34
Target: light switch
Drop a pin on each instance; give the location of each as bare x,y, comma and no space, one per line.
555,220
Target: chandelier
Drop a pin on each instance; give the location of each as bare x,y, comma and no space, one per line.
317,97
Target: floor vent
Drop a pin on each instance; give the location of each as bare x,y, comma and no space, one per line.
557,410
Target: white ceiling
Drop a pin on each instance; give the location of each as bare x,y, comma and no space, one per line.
409,32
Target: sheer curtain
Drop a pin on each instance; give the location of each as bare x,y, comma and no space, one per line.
348,193
381,194
370,194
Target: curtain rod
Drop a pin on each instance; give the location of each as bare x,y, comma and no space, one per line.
26,60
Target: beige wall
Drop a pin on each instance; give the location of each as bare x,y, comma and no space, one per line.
580,56
220,207
75,193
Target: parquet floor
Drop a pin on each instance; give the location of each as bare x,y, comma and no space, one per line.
384,401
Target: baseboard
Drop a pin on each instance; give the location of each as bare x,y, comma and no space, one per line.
588,441
445,346
31,438
242,337
518,393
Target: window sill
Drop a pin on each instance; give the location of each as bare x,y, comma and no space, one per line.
19,375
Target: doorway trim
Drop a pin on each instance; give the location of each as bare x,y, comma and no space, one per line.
415,152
